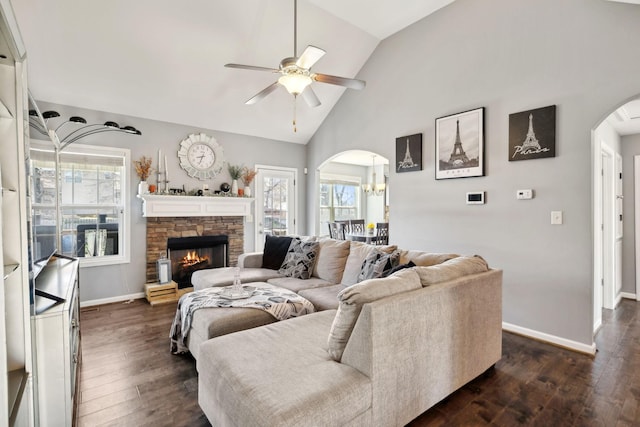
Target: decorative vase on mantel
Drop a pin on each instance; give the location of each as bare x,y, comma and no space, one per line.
234,187
247,191
143,187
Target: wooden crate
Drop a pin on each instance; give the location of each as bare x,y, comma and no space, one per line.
184,291
161,293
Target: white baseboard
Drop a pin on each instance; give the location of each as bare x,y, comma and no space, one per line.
119,298
551,339
628,295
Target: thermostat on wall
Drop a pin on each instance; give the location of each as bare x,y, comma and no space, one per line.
475,198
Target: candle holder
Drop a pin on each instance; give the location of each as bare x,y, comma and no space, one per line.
163,265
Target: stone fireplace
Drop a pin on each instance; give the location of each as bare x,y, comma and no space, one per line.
192,216
159,230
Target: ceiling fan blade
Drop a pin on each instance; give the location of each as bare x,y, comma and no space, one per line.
252,67
310,56
310,97
262,94
340,81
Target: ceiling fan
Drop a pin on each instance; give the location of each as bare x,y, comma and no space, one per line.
295,73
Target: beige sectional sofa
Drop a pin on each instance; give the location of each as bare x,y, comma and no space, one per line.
378,352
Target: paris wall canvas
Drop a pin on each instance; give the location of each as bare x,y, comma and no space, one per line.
460,145
409,153
532,134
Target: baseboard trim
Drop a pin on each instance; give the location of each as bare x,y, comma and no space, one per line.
550,339
628,295
119,298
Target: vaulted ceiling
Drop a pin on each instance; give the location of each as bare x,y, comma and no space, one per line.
164,60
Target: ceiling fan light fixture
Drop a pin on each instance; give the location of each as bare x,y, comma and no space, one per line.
295,83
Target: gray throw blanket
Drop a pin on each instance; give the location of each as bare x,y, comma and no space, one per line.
280,303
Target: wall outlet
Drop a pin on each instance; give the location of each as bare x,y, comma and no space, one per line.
205,187
556,217
524,194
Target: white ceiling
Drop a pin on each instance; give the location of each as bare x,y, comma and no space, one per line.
626,119
164,60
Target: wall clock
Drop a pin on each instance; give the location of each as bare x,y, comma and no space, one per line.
201,156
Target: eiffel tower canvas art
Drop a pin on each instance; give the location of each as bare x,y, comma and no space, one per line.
409,153
460,145
532,134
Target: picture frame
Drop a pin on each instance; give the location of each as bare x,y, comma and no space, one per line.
409,153
532,134
460,145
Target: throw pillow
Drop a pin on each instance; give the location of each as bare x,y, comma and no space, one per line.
300,259
352,298
452,269
357,253
275,249
398,268
331,260
376,263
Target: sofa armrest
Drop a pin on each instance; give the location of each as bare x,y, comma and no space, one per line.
250,260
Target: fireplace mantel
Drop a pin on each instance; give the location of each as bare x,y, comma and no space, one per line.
178,206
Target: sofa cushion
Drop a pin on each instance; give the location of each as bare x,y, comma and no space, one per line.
452,269
294,383
209,277
323,298
424,259
352,298
275,249
300,259
331,260
358,251
296,285
376,263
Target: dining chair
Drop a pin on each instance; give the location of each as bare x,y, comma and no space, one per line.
345,224
382,233
336,231
356,226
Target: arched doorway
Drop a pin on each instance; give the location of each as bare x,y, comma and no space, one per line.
616,145
353,184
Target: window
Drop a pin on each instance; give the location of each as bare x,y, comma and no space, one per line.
339,199
94,217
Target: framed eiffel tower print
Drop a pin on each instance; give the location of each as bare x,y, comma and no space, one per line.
460,145
409,153
532,134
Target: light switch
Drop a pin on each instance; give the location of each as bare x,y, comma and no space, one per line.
249,218
524,194
556,217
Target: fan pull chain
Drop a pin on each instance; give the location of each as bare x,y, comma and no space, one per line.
295,129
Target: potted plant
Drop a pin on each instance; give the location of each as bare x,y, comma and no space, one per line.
236,172
143,169
247,178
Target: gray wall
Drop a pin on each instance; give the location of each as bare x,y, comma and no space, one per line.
630,148
506,56
126,279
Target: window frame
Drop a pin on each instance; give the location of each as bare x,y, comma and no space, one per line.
124,229
332,179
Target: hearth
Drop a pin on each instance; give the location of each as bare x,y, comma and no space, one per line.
190,254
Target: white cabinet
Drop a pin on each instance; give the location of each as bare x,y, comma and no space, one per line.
57,342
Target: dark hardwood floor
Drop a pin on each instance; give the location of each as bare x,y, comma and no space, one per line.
129,378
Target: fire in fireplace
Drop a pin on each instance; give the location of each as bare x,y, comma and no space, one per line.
190,254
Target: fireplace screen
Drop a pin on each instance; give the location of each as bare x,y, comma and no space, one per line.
190,254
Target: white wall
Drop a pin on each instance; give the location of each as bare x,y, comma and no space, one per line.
630,148
507,56
114,281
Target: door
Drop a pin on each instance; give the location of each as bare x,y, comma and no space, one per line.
608,229
275,203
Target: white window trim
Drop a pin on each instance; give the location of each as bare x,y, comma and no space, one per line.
332,178
125,232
